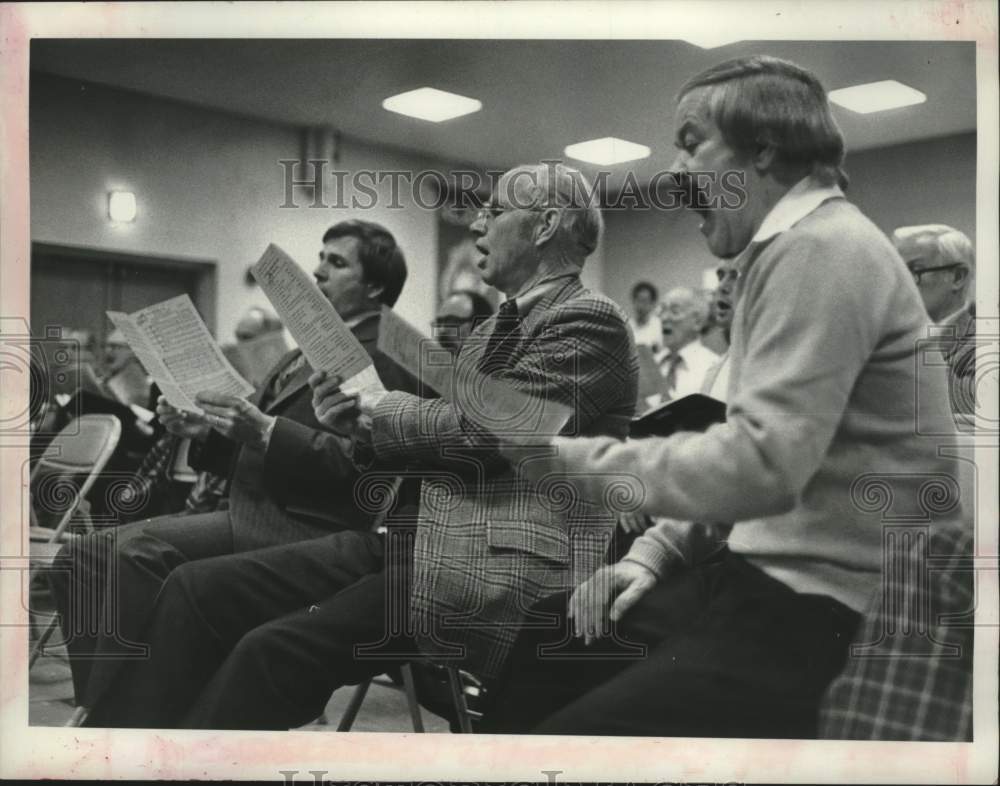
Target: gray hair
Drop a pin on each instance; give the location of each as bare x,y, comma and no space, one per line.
951,245
699,303
553,184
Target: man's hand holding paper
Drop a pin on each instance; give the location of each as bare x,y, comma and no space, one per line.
236,418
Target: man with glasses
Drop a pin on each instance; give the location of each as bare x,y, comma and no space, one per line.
943,263
289,624
747,593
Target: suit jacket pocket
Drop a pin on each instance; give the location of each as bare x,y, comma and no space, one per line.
522,536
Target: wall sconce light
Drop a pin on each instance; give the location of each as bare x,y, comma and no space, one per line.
121,206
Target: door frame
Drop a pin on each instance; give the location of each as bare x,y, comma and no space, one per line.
205,298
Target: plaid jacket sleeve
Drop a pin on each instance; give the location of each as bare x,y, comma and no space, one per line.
581,355
909,673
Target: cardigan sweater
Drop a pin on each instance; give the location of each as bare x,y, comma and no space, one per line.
835,419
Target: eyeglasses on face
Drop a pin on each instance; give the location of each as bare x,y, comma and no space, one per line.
727,274
917,273
494,211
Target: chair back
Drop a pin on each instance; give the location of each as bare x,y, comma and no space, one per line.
71,463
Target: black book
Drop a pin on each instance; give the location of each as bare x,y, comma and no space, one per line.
695,412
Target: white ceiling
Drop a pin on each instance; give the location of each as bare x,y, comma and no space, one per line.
538,95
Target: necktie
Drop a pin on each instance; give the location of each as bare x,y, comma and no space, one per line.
282,379
500,347
669,371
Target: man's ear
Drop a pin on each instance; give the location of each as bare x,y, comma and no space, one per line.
961,277
374,291
764,155
548,226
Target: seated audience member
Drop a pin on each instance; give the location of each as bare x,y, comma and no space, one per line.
943,263
741,633
458,316
124,375
284,623
152,481
909,671
645,326
255,323
715,384
289,479
714,335
684,360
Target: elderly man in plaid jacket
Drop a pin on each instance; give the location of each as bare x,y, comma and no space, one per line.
260,640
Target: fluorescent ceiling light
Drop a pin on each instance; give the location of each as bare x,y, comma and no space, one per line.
426,103
607,150
711,39
876,96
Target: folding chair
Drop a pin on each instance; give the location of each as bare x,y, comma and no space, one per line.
461,688
59,484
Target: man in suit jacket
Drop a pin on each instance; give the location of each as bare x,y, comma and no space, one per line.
487,543
289,478
943,263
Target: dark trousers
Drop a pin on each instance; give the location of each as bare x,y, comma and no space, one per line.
260,640
105,583
728,652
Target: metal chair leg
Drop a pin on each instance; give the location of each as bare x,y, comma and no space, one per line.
351,711
458,699
411,698
39,646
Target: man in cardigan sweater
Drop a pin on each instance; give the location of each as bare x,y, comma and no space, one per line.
832,427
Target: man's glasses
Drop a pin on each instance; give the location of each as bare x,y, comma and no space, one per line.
727,274
918,272
495,211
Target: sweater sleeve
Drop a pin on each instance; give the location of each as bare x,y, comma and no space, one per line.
811,316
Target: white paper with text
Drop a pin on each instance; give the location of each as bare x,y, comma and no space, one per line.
178,351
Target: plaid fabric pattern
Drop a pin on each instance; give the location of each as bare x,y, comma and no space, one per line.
909,672
488,543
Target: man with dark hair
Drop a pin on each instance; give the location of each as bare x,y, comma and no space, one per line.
288,625
744,623
289,478
645,326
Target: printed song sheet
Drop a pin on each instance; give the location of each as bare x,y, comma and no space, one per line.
328,344
421,355
172,342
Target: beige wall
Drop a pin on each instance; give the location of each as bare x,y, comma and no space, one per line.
923,182
208,185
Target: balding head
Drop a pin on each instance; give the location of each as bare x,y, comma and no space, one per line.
683,313
942,261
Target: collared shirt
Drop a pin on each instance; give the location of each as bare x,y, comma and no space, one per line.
357,319
527,298
822,381
695,361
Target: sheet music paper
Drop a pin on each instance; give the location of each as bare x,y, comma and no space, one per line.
419,354
328,344
174,345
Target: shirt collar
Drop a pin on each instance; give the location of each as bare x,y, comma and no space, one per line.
684,352
357,319
528,298
800,200
797,203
